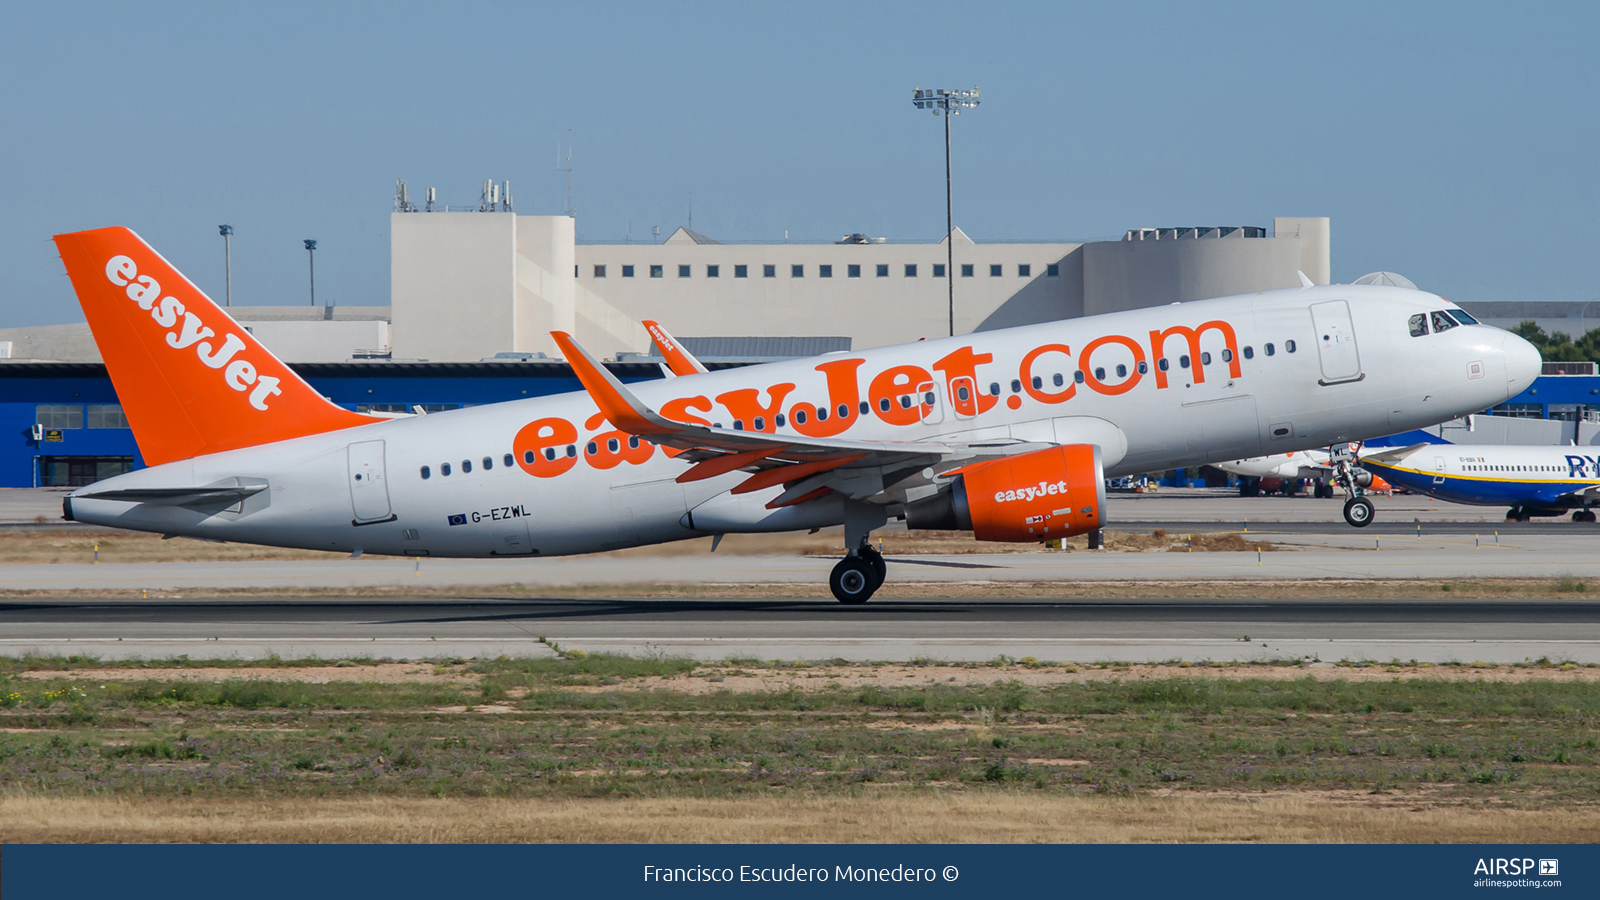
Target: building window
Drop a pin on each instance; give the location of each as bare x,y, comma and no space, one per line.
574,270
824,271
683,271
741,271
911,270
107,415
797,271
769,271
59,415
883,270
713,271
854,271
966,270
655,271
627,271
599,271
1024,270
938,270
1052,271
995,271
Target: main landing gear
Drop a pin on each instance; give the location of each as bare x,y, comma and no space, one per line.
1358,510
1583,515
859,575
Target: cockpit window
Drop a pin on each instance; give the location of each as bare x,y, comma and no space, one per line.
1441,321
1419,324
1460,315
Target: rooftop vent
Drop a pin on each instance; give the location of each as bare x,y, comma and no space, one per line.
1178,234
1392,279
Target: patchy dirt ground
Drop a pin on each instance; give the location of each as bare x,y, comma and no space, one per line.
368,673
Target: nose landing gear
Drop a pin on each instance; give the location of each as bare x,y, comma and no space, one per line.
1358,510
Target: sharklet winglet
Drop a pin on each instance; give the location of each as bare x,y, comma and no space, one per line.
618,403
679,360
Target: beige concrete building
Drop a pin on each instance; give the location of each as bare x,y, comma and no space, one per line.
466,286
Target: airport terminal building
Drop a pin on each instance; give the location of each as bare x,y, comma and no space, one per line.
474,296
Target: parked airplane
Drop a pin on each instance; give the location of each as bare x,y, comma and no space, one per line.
1543,480
1008,434
1285,471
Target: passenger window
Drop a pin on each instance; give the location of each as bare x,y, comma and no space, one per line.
928,398
572,451
800,414
905,401
1122,371
1037,382
1184,361
510,460
994,389
822,414
1205,358
1099,373
1076,376
426,474
738,424
550,453
1249,352
1162,364
1269,348
528,457
613,445
592,448
883,405
1441,321
761,423
1057,379
844,413
444,469
466,466
1288,346
777,420
963,394
488,463
1016,386
864,406
1227,355
1419,324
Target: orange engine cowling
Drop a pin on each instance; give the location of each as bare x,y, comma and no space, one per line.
1038,496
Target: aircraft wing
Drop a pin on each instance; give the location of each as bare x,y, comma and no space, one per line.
1390,457
810,466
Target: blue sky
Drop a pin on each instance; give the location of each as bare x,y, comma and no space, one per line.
1454,143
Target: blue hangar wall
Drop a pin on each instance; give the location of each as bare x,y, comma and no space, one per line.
85,438
88,449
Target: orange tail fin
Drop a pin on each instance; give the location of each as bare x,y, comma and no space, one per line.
191,381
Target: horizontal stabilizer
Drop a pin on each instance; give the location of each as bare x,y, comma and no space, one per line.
226,494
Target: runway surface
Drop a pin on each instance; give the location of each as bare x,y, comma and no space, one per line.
956,630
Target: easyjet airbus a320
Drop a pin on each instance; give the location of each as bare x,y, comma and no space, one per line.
1009,434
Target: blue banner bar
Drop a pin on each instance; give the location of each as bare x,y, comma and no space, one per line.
249,872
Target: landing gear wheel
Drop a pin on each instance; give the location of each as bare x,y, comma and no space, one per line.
853,580
1517,514
1583,515
1358,512
880,570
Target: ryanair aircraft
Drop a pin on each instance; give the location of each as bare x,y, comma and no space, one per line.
1542,480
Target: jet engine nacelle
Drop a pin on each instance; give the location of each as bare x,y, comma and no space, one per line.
1038,496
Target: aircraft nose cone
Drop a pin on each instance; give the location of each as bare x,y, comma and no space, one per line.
1522,362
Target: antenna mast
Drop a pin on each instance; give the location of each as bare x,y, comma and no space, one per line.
570,210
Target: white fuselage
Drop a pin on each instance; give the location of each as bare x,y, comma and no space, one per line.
1345,379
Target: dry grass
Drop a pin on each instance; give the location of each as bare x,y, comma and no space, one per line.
872,818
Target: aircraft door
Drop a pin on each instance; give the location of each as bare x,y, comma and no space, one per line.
1336,342
369,489
964,397
1438,470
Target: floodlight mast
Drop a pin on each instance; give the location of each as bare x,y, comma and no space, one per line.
947,103
227,262
311,256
